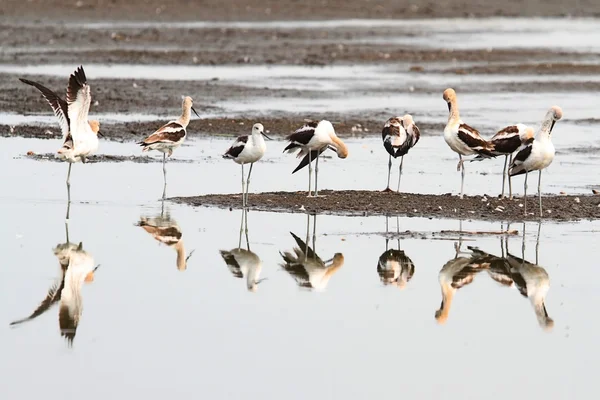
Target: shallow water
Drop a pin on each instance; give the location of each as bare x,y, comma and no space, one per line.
178,332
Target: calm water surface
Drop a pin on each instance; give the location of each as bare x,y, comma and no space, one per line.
151,327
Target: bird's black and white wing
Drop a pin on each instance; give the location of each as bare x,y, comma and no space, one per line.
52,297
517,168
68,319
237,147
232,263
305,248
59,106
507,140
414,132
79,99
471,138
395,138
171,132
310,157
301,136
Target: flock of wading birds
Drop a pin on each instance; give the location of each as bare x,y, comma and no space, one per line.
400,134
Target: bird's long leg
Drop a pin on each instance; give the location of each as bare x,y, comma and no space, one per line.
462,175
241,229
309,173
69,183
537,243
398,230
306,242
400,172
540,192
164,175
248,183
387,188
317,174
504,176
243,188
246,228
387,235
525,192
510,196
502,240
523,245
314,237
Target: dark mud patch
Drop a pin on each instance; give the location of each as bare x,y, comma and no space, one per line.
265,10
216,127
97,158
365,203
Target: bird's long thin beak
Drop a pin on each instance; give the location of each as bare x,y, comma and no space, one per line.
100,134
449,107
189,255
97,266
332,148
260,280
328,261
552,126
195,112
264,134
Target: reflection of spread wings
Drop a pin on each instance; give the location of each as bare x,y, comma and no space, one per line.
232,263
52,297
306,249
297,271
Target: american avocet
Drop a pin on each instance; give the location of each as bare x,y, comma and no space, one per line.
165,230
399,135
456,273
506,142
537,154
311,140
170,136
248,150
76,267
394,267
533,283
80,136
461,138
306,267
243,262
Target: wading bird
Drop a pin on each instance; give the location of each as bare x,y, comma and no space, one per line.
506,142
537,154
170,136
310,141
461,138
243,262
165,230
80,136
394,267
399,135
248,150
306,267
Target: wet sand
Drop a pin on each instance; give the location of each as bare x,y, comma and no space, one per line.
365,203
96,158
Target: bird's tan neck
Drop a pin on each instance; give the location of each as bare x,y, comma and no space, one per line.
447,297
454,113
184,120
341,147
181,263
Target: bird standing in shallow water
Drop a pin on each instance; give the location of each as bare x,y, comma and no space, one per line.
537,154
170,136
399,135
80,136
506,141
311,140
461,138
248,150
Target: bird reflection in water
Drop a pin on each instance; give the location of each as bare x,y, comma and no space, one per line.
243,262
394,266
530,279
76,268
165,230
305,266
